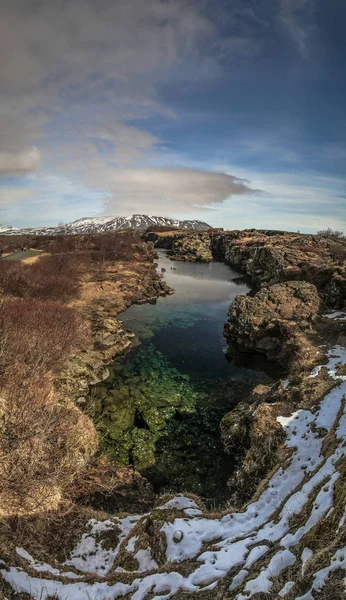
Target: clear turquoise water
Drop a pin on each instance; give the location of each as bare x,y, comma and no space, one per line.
180,371
187,326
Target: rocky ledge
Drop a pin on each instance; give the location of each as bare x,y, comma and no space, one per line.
299,278
104,295
274,322
192,247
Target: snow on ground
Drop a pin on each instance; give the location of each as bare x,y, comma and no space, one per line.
89,556
341,316
321,577
257,544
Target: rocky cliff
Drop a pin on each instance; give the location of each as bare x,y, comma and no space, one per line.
286,535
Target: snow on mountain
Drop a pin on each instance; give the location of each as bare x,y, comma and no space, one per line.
107,224
5,229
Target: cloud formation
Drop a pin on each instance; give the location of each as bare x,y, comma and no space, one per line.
19,163
79,79
297,18
9,196
106,103
171,191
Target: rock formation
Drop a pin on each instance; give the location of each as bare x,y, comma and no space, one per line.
273,320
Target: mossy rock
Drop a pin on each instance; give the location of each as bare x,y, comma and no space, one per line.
118,449
99,391
118,420
155,420
143,449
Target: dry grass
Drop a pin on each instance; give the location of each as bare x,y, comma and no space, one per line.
44,440
37,337
42,446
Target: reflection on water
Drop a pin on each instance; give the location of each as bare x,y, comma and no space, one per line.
187,326
163,407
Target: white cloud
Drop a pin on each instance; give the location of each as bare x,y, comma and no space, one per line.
303,201
171,191
75,76
19,163
9,196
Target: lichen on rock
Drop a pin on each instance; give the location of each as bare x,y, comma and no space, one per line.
272,322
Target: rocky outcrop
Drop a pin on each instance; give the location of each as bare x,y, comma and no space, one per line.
269,257
273,321
296,275
195,247
252,435
104,294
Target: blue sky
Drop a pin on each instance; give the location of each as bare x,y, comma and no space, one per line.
231,112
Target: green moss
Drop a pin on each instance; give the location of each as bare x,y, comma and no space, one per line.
143,449
155,419
157,515
136,412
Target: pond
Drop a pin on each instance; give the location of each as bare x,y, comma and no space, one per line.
166,398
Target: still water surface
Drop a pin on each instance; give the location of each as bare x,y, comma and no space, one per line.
178,382
187,326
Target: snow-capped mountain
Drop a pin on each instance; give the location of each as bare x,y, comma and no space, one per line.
106,224
7,229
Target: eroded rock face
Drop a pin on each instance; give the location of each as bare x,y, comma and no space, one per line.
273,320
270,257
195,248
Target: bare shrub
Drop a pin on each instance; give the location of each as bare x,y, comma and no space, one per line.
42,446
9,243
37,336
125,246
338,252
47,278
161,229
331,233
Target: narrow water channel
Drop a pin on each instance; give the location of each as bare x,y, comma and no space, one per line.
166,398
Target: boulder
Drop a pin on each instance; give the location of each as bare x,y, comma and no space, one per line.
194,247
272,321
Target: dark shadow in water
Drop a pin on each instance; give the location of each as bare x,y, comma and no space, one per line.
186,330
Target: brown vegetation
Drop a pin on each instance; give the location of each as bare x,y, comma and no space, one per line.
42,446
44,439
36,337
44,279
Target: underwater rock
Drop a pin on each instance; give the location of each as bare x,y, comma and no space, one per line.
135,413
143,449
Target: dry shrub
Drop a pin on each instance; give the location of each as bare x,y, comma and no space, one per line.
113,487
331,233
125,246
9,243
37,336
161,229
64,244
39,280
312,249
42,446
338,252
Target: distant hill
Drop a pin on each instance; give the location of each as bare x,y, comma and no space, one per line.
106,224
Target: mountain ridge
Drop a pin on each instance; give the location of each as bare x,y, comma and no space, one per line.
138,222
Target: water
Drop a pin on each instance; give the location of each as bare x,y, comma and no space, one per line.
187,326
165,401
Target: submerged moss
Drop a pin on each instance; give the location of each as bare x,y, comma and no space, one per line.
146,392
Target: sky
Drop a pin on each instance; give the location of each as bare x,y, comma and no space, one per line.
228,111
